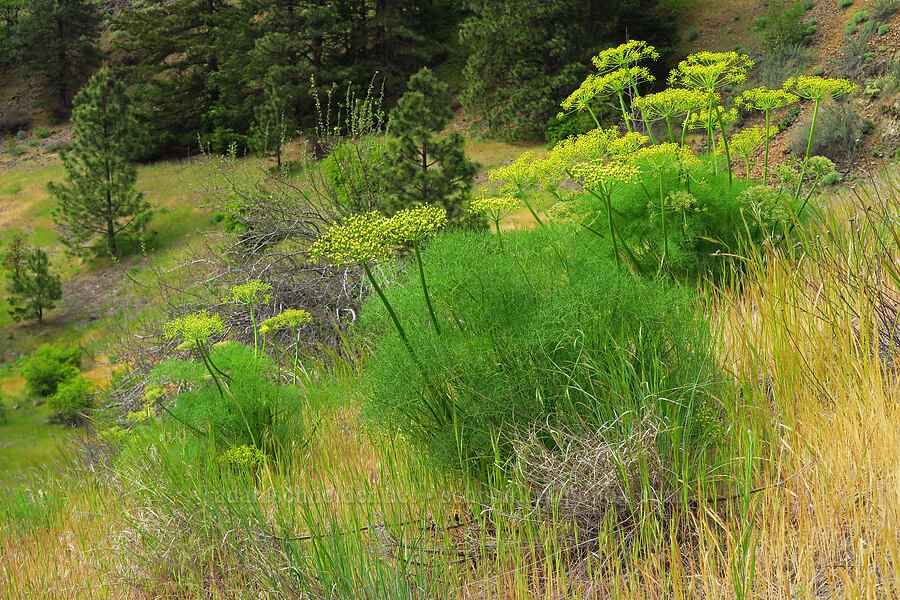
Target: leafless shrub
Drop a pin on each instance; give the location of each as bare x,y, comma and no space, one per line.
592,479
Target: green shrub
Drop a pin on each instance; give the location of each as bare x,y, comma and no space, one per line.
845,3
883,29
837,133
861,17
71,399
12,148
854,52
760,23
251,407
21,135
14,121
693,34
851,29
884,10
788,25
561,126
540,329
42,132
778,64
4,418
350,169
48,367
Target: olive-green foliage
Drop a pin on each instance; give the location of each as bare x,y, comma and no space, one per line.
884,10
837,134
352,171
788,24
48,367
774,66
252,408
4,419
564,125
539,328
71,399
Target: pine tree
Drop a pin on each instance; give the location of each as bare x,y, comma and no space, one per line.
55,40
98,197
32,288
426,168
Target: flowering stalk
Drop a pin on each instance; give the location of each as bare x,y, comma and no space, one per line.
816,89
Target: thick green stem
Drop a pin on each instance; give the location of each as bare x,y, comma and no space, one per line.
593,116
724,141
662,205
389,308
812,128
768,140
669,126
528,204
434,321
684,125
624,112
255,332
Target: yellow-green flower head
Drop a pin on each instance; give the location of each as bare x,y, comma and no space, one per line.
749,139
195,327
599,86
763,99
565,212
417,223
360,239
819,88
597,175
114,435
819,165
573,150
787,176
665,156
700,119
519,173
765,204
711,70
243,456
495,208
291,318
627,54
628,144
681,200
252,292
670,102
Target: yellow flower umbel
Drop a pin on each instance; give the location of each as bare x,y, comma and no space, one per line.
495,208
243,456
413,225
252,293
624,55
765,100
749,140
712,71
523,174
816,89
291,318
194,329
669,104
600,179
359,240
614,83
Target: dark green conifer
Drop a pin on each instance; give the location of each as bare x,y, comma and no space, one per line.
98,196
55,40
424,167
32,288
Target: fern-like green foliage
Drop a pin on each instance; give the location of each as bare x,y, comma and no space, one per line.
541,329
253,408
